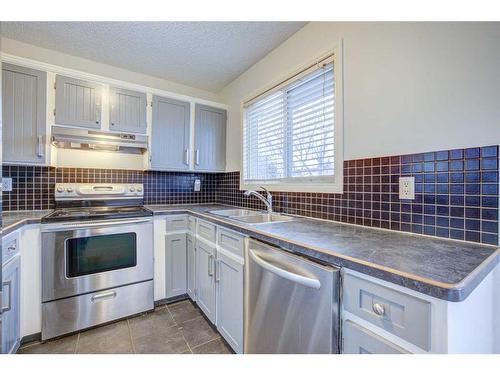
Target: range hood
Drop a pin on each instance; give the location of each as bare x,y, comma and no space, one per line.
83,139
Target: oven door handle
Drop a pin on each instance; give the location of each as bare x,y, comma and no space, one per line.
101,296
93,224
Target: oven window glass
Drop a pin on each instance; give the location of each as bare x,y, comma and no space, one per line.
88,255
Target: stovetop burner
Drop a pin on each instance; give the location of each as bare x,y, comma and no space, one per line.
76,202
96,213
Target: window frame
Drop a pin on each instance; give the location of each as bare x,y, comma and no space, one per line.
332,184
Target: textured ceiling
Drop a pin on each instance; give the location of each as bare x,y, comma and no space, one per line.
206,55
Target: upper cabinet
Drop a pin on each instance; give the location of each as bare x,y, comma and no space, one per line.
78,103
127,111
210,139
24,114
170,134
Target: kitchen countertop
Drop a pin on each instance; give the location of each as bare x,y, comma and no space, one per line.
441,268
12,220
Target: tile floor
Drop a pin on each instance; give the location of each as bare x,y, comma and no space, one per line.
174,329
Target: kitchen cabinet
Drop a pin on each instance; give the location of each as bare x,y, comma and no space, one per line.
78,103
358,340
397,313
175,264
127,111
170,134
229,281
24,115
205,280
191,266
11,301
210,138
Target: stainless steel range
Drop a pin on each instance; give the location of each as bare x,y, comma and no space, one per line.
97,257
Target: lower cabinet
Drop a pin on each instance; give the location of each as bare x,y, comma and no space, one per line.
229,289
175,264
358,340
11,314
205,280
191,266
206,262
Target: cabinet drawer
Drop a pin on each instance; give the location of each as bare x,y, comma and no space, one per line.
231,241
400,314
205,230
192,224
10,246
358,340
176,222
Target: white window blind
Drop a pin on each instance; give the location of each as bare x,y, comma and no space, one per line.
289,131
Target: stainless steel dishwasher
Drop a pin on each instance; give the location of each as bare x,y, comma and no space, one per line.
291,303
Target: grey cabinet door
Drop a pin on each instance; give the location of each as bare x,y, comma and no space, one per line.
11,315
205,280
78,103
229,279
24,114
191,267
170,134
359,340
210,138
127,111
175,267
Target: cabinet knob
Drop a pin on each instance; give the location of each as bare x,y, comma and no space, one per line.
378,309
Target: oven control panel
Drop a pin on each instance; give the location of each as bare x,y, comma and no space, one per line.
79,191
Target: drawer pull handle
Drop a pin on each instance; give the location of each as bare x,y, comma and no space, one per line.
8,306
98,297
210,265
12,248
378,309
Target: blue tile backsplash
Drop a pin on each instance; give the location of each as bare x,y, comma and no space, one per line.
456,192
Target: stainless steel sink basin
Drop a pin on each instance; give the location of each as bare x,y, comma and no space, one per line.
236,212
263,218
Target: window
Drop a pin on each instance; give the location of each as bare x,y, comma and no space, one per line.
289,134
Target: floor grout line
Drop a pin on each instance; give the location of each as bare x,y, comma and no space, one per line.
214,339
77,342
130,335
182,333
190,320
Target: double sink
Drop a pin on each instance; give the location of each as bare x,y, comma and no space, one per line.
252,217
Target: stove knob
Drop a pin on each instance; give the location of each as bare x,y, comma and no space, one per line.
69,189
139,189
132,189
60,189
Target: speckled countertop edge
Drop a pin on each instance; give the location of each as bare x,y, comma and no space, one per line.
445,291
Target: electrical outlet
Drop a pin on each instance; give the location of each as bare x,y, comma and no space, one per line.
197,185
6,184
406,187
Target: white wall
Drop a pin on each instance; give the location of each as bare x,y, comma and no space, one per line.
44,55
408,87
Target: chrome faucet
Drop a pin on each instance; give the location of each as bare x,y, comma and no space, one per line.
267,201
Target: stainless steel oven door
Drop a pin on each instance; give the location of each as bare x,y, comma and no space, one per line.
79,258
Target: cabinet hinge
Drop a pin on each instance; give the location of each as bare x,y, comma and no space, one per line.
54,111
55,85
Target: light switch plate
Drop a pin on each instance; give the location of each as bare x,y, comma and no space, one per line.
406,187
7,184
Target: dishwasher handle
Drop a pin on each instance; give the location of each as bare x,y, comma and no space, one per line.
294,277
